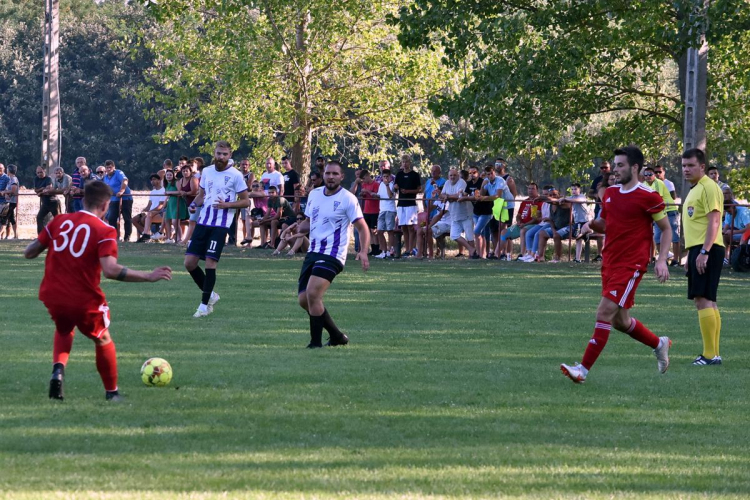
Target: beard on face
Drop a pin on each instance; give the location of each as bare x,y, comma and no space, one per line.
332,184
220,164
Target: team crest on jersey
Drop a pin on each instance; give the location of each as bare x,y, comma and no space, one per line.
336,204
691,211
226,180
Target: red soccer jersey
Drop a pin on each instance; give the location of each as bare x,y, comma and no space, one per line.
629,225
72,272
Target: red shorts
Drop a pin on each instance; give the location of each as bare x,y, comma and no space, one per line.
91,321
619,285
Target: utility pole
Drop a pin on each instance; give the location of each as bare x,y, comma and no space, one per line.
51,89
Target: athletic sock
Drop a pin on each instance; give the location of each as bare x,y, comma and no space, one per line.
596,344
642,334
316,330
717,334
61,346
330,326
198,276
208,285
375,249
707,321
106,365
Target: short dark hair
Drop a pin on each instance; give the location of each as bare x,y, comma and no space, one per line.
184,158
199,161
109,163
576,185
696,153
634,155
154,176
12,169
315,174
95,193
334,162
489,168
284,158
647,168
364,172
533,184
272,188
712,167
320,158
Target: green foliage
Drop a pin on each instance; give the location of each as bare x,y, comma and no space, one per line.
99,120
287,73
543,70
451,395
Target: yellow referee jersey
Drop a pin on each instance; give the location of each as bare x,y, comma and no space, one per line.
703,198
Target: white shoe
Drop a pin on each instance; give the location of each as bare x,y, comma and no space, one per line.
670,255
203,310
213,300
157,236
169,242
662,354
575,373
382,255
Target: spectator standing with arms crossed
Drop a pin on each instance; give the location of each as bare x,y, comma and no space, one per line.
701,219
408,185
122,201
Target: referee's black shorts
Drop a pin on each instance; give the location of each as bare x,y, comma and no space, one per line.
317,264
707,284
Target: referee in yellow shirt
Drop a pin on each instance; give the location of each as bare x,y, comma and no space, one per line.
701,220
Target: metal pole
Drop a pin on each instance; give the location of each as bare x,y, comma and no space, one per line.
50,89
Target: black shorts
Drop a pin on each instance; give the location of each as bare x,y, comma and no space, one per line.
494,226
290,220
207,242
511,211
371,220
317,264
707,284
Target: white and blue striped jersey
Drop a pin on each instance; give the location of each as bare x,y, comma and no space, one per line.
330,217
219,186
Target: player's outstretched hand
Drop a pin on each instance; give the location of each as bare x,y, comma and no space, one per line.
362,257
662,271
160,273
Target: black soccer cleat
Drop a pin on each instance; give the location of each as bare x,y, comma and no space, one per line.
56,384
333,342
702,361
313,345
113,396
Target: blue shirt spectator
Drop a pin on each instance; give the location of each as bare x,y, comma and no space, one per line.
4,182
740,220
115,183
435,181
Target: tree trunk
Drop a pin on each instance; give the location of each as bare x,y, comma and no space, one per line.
302,154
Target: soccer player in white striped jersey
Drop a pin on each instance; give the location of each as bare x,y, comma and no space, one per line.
222,191
330,211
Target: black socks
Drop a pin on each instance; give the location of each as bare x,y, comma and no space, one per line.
316,331
198,276
208,285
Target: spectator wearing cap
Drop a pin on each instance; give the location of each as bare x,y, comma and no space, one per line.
386,214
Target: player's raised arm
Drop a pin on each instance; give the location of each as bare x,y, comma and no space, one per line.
115,271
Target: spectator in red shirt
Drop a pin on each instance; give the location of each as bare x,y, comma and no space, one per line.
529,215
371,207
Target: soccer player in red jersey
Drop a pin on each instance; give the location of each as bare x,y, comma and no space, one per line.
79,247
628,210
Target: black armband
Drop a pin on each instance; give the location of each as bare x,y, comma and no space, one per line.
123,273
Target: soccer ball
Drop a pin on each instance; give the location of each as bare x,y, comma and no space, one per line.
156,372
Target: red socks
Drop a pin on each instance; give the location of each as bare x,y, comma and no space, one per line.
106,365
61,346
596,344
642,334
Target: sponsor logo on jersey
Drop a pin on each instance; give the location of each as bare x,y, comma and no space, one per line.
691,211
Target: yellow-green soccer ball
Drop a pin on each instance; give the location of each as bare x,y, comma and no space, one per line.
156,372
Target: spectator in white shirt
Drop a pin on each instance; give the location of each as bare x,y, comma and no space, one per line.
461,209
271,177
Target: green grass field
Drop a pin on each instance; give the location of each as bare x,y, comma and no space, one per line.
449,389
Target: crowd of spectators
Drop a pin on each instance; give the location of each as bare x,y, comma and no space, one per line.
480,209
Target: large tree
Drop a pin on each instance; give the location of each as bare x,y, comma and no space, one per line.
291,75
577,77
